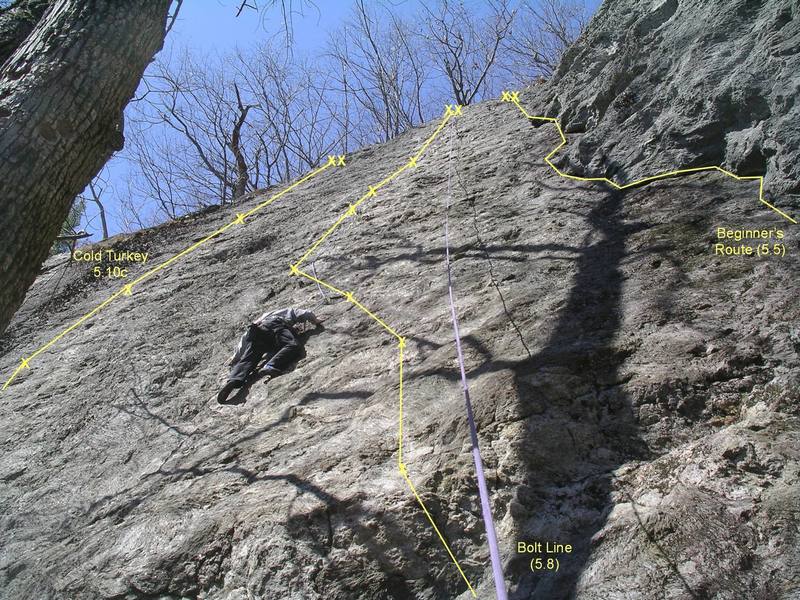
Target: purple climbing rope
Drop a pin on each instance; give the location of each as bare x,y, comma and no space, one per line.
491,537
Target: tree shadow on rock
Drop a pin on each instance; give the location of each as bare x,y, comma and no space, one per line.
392,566
583,427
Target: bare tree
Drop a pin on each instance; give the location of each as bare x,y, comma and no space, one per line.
93,193
382,69
60,122
543,31
270,79
242,177
95,197
208,131
465,46
288,10
160,174
190,144
67,70
294,121
133,210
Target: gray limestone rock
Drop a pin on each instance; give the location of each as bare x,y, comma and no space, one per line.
665,84
636,394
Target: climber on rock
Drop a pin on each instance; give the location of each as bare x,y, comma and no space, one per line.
273,333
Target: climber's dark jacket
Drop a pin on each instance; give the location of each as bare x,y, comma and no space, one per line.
270,333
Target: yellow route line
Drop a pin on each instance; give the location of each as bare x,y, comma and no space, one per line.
319,281
183,253
380,321
127,289
400,465
451,110
404,473
513,97
322,239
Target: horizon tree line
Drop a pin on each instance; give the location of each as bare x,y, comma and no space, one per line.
208,130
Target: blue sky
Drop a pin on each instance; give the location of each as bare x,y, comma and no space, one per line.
211,27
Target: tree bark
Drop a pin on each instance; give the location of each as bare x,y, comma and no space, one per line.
16,23
62,95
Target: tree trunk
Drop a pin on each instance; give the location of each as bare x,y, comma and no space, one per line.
100,208
16,23
242,172
62,94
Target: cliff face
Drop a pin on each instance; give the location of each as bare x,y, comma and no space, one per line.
636,394
659,83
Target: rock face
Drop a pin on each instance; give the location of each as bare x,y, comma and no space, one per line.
636,394
657,84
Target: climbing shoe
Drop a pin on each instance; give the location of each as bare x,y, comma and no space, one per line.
226,390
268,371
